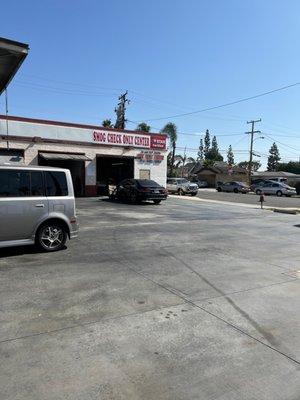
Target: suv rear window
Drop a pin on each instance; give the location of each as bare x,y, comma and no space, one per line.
56,183
18,183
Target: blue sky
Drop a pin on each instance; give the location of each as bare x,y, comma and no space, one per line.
173,57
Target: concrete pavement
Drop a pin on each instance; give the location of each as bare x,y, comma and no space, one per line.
186,300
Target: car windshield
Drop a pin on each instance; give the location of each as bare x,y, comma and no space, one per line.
147,183
182,181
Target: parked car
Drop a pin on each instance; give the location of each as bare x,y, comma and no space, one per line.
37,206
137,190
181,186
257,183
235,187
201,184
279,189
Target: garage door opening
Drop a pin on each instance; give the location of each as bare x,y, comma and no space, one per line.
11,156
74,162
113,170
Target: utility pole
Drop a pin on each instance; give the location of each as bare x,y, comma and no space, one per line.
120,111
6,113
251,146
183,164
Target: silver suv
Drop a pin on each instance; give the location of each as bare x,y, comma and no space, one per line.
37,206
181,186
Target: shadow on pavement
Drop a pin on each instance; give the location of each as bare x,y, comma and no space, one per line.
21,250
143,203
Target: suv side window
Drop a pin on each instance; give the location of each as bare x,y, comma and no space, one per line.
56,183
14,183
36,183
275,185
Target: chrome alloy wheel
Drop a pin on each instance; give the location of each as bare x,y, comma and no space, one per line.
52,237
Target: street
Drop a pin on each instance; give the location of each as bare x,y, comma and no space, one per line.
180,301
250,198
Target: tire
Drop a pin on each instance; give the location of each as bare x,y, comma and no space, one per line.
219,189
133,198
258,192
181,192
51,236
156,201
279,193
235,190
193,194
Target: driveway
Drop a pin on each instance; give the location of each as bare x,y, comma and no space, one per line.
181,301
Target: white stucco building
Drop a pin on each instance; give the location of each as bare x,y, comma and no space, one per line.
93,154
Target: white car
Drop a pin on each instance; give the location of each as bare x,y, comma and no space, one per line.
279,189
181,186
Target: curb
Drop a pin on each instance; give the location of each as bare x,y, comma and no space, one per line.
286,211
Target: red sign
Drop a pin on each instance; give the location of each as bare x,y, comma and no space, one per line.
158,142
130,139
150,156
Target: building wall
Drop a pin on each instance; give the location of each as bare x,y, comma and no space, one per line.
233,177
212,178
31,150
34,136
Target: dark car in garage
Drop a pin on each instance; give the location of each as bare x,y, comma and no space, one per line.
138,190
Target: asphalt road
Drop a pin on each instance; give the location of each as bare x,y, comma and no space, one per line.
181,301
250,198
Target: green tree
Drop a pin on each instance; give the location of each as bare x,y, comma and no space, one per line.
213,156
291,166
181,160
214,144
200,151
245,164
213,153
171,131
143,127
274,158
107,123
206,143
230,156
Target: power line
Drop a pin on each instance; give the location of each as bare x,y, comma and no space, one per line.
223,105
271,139
198,134
62,90
159,101
93,85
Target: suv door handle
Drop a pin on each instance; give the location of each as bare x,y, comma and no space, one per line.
40,205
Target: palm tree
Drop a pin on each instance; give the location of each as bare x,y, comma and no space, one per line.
143,127
171,130
107,123
182,160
